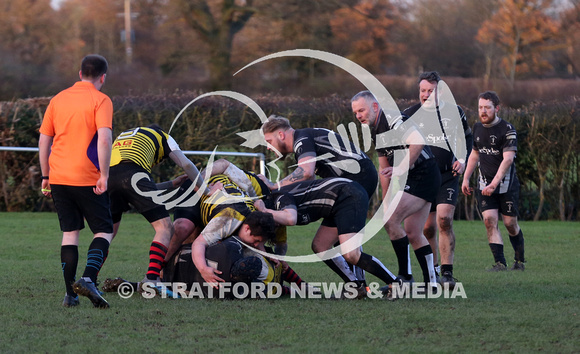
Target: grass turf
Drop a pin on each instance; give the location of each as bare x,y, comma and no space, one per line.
535,310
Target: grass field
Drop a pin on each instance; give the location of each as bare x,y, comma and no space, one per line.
537,310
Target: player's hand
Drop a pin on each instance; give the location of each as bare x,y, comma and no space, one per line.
260,205
391,172
488,190
209,274
284,265
178,181
215,187
101,186
46,188
458,168
269,183
466,189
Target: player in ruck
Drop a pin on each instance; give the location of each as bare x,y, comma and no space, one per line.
444,142
337,200
494,150
324,153
135,152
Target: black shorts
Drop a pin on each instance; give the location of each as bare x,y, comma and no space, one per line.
349,213
424,181
368,177
192,213
506,203
448,192
75,204
123,196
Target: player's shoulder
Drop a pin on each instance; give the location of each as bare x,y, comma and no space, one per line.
409,111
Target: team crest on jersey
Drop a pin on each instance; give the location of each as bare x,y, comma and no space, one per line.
493,139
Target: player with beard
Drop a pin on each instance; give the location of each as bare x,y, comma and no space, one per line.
324,153
494,149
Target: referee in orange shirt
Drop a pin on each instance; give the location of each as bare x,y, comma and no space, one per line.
75,152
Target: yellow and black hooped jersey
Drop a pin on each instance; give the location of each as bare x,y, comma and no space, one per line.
144,146
234,198
260,187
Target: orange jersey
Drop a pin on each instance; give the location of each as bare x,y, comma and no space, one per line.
72,119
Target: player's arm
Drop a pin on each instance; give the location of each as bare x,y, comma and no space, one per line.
208,273
416,144
192,172
304,172
385,181
287,216
508,160
459,165
104,147
471,164
44,144
174,183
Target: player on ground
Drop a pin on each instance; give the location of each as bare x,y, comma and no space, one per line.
75,152
422,184
494,150
442,211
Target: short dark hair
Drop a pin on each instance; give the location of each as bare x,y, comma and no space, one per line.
491,96
275,123
431,76
93,66
261,224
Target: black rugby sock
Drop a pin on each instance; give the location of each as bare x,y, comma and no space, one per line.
96,255
447,268
401,247
341,272
517,242
425,258
497,251
375,267
69,258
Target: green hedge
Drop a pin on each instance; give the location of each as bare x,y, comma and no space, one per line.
216,120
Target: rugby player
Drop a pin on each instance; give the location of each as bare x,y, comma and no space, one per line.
135,152
405,225
323,153
337,201
494,150
432,108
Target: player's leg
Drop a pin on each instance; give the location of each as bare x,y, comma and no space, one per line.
446,202
158,249
445,213
418,210
430,233
490,219
185,221
509,211
353,254
324,239
69,257
96,211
